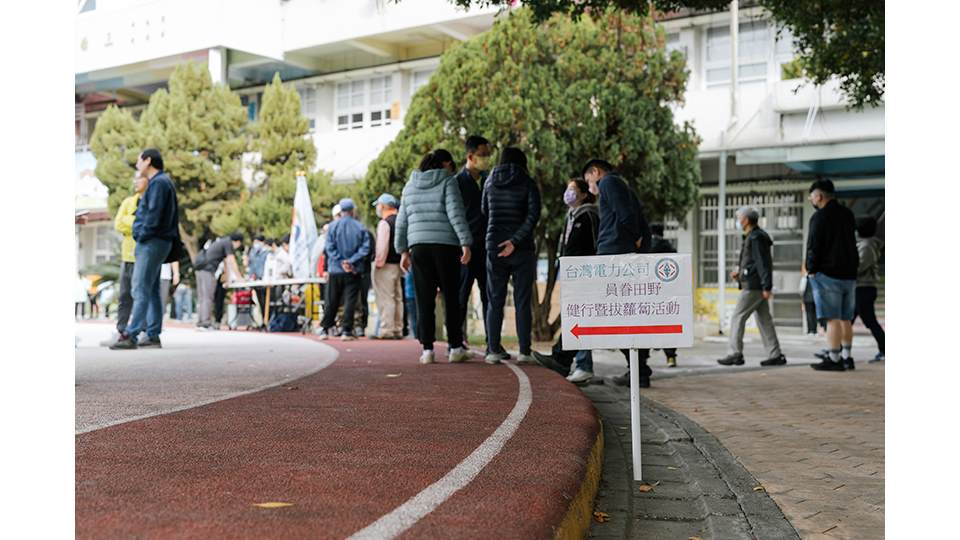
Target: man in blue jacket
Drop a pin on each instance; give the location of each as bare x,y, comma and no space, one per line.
155,228
348,243
623,229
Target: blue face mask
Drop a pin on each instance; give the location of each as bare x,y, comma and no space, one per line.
570,197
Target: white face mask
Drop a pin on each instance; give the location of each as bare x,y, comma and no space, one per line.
738,224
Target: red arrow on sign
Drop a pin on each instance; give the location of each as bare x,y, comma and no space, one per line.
578,330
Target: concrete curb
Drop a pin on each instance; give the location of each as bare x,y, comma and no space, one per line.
700,489
576,522
765,518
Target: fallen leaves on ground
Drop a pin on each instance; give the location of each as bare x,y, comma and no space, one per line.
290,387
393,375
273,504
600,517
645,488
759,488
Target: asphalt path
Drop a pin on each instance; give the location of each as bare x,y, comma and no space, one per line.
193,368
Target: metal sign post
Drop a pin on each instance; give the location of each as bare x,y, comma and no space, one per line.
629,301
635,414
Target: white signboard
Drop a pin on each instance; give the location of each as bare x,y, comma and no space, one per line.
629,301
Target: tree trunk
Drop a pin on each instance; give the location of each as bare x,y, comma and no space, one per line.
543,328
190,244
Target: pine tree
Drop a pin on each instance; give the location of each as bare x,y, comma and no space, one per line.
199,129
282,138
563,91
116,145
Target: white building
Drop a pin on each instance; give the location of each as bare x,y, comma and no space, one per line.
356,64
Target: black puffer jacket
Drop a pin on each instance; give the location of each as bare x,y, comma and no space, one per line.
756,262
511,202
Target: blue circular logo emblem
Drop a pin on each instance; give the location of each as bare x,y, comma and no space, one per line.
667,270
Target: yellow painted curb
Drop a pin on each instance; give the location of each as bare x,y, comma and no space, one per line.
576,522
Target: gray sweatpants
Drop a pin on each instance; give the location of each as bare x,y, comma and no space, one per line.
206,288
751,301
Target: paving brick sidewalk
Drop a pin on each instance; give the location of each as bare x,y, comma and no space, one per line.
814,440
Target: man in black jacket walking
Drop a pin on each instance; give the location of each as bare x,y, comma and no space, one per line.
754,276
832,262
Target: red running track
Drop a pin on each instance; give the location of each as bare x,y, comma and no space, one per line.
344,446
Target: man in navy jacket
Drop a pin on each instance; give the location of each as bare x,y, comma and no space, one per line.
155,228
623,229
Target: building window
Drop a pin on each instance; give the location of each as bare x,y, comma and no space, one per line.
364,104
784,50
381,91
308,104
674,44
754,48
106,244
420,78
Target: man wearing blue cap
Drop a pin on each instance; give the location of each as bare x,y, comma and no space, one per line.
386,272
347,244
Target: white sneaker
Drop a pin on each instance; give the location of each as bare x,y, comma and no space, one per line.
427,357
492,358
579,376
457,355
527,360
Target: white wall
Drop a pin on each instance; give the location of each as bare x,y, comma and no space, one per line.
122,33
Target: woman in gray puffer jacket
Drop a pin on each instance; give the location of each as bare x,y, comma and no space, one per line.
432,234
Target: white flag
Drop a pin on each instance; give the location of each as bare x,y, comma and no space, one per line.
303,231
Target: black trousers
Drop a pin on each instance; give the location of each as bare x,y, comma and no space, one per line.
521,267
476,270
363,307
437,266
642,356
219,296
126,298
866,298
342,290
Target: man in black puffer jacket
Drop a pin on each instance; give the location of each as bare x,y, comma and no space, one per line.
511,203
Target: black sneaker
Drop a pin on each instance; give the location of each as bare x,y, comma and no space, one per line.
829,365
150,343
124,343
779,361
548,362
823,355
848,364
624,380
734,359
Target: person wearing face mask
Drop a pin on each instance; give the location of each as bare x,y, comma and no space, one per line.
386,272
754,276
623,229
433,236
470,180
579,239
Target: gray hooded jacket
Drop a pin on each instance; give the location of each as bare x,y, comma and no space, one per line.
431,212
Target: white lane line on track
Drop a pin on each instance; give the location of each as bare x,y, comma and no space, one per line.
416,508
